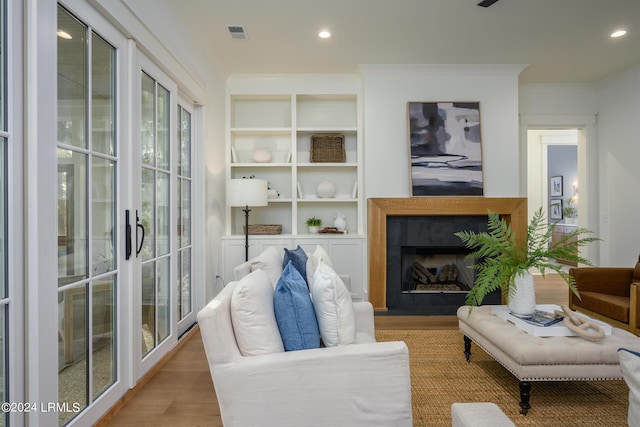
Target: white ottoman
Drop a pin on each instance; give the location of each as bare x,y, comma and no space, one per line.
481,414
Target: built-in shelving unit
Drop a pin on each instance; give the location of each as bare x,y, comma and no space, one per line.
283,125
282,120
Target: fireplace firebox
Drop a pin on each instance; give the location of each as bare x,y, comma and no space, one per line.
428,268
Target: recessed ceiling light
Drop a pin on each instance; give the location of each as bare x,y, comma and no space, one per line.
64,35
324,34
618,33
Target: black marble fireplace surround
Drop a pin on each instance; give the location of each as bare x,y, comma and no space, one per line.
432,235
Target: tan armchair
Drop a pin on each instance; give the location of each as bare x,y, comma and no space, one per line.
609,294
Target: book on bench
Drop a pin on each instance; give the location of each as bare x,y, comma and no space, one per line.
543,318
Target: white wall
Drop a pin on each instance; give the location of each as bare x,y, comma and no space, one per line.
387,89
619,163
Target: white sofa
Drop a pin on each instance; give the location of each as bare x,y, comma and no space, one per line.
362,384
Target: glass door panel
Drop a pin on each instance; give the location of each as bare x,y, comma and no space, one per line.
184,214
103,219
163,302
72,218
102,97
148,311
103,319
155,214
163,211
87,202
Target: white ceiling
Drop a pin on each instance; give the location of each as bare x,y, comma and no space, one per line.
561,40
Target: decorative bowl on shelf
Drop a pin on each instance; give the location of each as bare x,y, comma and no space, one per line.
261,155
326,190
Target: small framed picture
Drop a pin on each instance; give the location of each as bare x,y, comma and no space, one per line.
555,186
555,209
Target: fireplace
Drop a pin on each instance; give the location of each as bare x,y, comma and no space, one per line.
428,268
438,218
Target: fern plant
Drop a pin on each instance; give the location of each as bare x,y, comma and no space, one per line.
499,256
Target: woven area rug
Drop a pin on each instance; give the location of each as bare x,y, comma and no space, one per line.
441,376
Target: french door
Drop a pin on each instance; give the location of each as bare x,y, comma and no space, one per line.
156,157
184,202
91,275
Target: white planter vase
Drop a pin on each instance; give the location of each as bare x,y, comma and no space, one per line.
522,302
326,190
313,229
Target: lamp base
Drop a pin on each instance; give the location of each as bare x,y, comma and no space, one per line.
246,232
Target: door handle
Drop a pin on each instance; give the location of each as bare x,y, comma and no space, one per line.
127,238
139,226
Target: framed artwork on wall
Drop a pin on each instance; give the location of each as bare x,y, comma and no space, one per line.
445,148
555,186
555,209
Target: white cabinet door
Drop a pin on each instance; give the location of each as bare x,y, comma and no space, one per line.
233,253
347,258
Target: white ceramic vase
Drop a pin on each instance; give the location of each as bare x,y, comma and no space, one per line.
326,189
340,223
314,229
522,302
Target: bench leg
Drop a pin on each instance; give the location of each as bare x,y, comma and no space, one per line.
467,348
525,394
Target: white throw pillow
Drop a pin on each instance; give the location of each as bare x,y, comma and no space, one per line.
333,306
314,259
630,366
270,260
252,316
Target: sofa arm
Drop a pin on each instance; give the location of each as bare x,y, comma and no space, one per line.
352,385
606,280
364,318
239,271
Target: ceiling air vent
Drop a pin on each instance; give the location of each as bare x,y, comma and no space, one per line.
237,32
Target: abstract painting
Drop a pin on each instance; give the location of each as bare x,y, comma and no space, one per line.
445,148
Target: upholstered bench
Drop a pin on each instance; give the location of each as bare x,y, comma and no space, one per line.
531,358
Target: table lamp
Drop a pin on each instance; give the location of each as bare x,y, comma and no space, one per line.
246,192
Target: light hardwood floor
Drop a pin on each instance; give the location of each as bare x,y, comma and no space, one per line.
181,393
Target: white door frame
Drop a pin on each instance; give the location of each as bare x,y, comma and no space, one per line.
587,167
15,341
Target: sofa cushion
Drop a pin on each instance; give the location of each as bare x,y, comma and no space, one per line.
333,306
270,260
318,254
613,306
298,258
252,316
630,366
294,312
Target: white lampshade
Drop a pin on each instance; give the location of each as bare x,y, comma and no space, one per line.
247,192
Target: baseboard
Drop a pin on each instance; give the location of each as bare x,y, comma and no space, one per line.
113,411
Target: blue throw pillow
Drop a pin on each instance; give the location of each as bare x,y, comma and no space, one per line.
294,311
298,258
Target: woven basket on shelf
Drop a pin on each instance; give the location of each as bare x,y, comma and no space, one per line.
327,149
265,228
